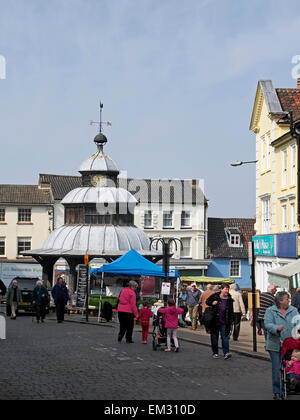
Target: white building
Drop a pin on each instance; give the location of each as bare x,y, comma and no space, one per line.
26,214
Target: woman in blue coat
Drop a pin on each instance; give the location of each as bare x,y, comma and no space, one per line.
280,320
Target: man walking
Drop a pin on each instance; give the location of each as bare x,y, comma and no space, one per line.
238,310
296,300
267,299
14,297
192,301
205,295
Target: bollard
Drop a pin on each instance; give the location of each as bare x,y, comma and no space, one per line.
2,328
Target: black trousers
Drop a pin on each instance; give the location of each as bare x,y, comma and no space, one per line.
126,320
40,312
236,325
60,311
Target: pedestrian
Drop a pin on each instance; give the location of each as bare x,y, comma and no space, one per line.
192,301
171,323
61,296
3,289
267,299
40,298
205,295
279,323
182,304
296,300
245,300
222,304
145,315
239,310
127,311
14,297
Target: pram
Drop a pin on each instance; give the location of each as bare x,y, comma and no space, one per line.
159,332
287,347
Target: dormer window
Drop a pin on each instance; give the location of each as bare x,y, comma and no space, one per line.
235,240
233,236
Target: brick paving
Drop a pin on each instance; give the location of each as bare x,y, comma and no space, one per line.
74,361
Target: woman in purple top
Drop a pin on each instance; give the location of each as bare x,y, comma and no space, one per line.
222,306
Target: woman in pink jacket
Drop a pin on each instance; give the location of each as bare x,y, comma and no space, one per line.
171,323
127,310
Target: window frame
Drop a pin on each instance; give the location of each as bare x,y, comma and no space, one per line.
26,248
3,239
232,268
182,219
171,213
146,218
23,218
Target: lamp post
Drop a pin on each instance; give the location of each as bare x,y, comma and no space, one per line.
252,263
166,243
239,163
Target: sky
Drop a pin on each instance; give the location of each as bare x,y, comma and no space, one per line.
177,80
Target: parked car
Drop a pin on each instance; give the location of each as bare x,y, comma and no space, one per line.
26,285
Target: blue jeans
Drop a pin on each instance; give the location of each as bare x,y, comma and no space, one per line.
275,359
214,335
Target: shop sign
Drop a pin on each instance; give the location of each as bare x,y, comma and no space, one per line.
264,245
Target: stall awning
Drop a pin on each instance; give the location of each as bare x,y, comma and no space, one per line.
134,264
287,276
204,279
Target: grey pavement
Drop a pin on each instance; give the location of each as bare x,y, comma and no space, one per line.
76,361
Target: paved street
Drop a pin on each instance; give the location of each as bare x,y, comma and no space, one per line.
77,361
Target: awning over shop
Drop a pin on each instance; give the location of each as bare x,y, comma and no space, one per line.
287,276
204,279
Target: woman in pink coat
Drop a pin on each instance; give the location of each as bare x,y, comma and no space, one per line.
171,323
127,310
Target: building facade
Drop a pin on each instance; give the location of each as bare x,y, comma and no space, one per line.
228,249
274,115
26,214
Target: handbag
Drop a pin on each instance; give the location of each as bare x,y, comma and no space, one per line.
208,317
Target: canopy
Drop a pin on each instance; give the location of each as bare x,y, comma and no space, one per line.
286,276
133,264
204,279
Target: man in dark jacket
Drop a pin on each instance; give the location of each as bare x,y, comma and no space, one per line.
222,306
296,300
61,296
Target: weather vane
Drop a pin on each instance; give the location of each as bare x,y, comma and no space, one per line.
100,123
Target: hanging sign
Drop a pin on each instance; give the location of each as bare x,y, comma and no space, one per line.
165,288
82,286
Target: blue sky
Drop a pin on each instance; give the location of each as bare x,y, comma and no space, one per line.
177,78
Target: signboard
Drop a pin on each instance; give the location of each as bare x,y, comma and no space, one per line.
165,288
83,271
264,245
147,286
8,271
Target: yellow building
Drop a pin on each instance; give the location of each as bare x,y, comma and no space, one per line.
275,116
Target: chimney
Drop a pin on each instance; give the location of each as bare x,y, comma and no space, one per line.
298,83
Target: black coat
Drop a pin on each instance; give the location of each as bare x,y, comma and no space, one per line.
3,289
228,311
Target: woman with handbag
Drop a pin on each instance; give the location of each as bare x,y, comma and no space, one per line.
222,320
40,298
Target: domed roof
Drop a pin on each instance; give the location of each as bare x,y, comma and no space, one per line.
97,240
99,162
98,195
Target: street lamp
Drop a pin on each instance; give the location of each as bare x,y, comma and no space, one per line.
252,263
166,243
239,163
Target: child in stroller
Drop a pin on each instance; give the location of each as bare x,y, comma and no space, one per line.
290,366
159,331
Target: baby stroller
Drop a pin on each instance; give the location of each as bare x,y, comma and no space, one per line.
287,347
159,332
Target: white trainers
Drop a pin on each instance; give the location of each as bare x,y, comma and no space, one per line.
215,356
227,356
